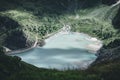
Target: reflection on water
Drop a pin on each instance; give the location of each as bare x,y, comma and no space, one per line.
61,51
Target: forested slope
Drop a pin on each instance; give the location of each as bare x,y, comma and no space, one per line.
21,21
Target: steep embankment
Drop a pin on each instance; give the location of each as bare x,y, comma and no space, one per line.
111,50
32,20
25,19
12,68
11,34
40,17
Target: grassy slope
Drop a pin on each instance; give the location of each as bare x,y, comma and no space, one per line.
95,21
11,68
32,24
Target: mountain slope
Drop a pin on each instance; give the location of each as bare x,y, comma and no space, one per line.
27,19
40,17
12,68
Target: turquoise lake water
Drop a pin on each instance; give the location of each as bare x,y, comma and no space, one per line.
61,51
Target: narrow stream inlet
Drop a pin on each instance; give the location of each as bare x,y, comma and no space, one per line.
63,51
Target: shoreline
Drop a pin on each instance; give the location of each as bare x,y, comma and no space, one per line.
90,48
94,47
24,49
12,52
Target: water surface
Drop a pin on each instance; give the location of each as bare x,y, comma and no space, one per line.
61,51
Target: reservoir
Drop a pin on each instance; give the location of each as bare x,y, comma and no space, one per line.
64,51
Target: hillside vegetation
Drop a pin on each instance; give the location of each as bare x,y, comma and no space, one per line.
41,17
21,21
12,68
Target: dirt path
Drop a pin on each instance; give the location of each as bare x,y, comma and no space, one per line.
36,41
116,3
63,29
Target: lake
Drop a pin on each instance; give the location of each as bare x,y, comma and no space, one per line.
62,51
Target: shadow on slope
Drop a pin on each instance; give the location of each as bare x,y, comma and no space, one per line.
109,2
11,68
40,7
11,34
116,20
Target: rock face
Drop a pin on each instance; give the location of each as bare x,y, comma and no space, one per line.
112,50
109,52
15,40
11,34
113,44
41,43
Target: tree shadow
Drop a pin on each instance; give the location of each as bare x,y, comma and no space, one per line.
11,34
41,7
116,21
109,2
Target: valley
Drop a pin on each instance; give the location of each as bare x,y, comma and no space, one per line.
28,23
